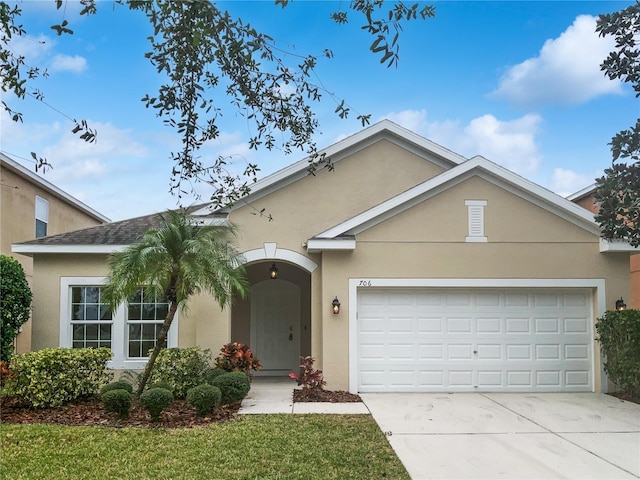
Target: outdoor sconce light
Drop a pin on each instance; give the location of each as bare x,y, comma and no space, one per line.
620,305
335,305
273,272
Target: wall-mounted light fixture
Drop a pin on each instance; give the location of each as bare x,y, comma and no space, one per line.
273,272
620,305
335,305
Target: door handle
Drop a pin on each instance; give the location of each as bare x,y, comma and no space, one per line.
291,337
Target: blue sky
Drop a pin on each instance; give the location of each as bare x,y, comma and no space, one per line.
517,82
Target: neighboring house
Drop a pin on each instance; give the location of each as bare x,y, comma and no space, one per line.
586,198
32,208
452,274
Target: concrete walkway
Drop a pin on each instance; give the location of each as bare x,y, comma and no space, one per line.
275,395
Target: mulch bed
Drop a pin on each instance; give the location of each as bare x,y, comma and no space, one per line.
90,411
627,397
180,414
332,396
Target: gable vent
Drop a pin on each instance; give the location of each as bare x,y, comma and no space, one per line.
475,214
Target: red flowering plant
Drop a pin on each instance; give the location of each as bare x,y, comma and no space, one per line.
237,357
312,380
5,372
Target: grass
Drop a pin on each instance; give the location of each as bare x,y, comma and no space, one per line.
249,447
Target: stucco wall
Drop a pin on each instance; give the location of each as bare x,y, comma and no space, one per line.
318,202
48,270
17,224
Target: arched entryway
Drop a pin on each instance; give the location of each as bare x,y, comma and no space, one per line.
275,318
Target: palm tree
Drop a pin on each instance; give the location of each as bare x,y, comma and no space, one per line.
178,259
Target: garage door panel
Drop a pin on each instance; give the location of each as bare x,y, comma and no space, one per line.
488,325
483,340
576,352
547,352
576,325
518,325
430,325
460,351
430,351
547,325
459,325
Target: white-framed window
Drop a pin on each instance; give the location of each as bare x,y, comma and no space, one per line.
475,220
131,330
145,316
91,319
42,217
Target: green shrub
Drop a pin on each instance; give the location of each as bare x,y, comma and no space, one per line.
117,385
237,357
55,376
213,373
117,400
234,386
204,398
182,368
619,336
164,385
155,400
15,303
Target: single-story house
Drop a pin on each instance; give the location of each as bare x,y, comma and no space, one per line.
451,274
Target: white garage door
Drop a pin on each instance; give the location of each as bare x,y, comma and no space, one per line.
462,340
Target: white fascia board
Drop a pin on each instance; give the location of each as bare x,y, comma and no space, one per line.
620,246
581,193
81,249
483,168
22,171
315,245
208,221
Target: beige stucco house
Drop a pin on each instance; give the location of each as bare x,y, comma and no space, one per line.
452,275
32,207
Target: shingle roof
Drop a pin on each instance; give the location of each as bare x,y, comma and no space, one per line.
124,232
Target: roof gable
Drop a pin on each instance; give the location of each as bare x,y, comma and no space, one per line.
49,187
477,166
383,130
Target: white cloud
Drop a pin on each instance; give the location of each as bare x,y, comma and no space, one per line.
66,63
508,143
566,182
33,48
414,120
566,70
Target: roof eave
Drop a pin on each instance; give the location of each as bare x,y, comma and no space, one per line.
26,249
617,246
316,245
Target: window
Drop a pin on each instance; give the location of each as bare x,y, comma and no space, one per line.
475,217
91,319
130,330
145,315
42,217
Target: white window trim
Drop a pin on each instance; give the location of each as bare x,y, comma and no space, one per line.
475,220
43,216
119,322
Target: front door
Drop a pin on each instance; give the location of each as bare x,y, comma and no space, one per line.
275,325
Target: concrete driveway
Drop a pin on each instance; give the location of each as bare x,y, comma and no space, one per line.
507,435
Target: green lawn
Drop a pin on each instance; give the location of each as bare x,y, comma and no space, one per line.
288,447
